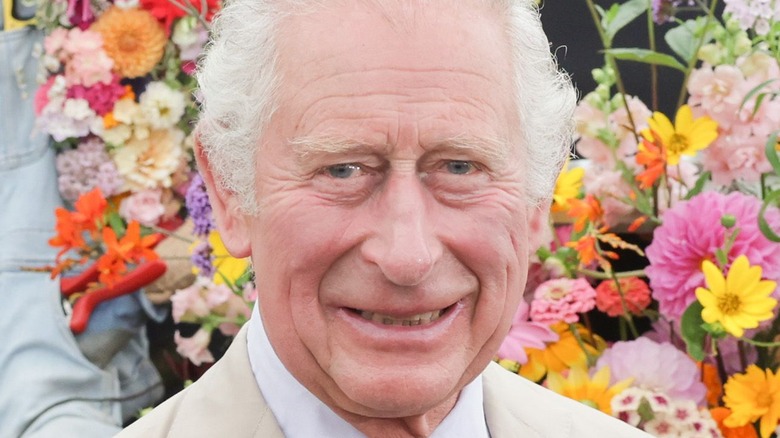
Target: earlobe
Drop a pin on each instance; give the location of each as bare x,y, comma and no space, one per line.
539,232
233,225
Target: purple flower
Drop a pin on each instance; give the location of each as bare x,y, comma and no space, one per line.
656,367
199,207
664,10
691,233
202,258
86,167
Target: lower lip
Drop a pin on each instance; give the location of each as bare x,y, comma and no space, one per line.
394,336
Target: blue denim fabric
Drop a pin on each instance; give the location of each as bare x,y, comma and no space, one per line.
47,386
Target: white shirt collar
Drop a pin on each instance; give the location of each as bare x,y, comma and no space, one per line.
302,415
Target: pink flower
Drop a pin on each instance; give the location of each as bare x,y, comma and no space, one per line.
239,311
144,206
734,157
218,294
42,95
590,122
562,299
611,189
250,292
188,304
691,232
524,334
717,91
195,348
655,367
100,96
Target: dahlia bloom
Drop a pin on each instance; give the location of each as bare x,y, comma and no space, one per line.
524,334
691,232
656,367
133,39
562,299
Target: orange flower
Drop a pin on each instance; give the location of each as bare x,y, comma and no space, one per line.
652,156
746,431
133,39
90,209
586,247
584,210
710,378
131,248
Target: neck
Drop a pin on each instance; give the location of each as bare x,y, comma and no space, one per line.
417,426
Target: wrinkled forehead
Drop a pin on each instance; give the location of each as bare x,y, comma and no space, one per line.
466,41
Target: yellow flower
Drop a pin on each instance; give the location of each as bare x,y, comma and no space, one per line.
753,395
133,39
738,302
227,267
561,355
686,137
567,187
594,392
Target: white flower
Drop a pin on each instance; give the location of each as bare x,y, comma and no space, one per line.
117,135
127,4
162,105
149,163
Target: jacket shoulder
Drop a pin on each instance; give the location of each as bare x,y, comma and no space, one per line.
156,423
513,403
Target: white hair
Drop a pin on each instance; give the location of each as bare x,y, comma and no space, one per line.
239,83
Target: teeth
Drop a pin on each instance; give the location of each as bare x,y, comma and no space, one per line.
421,319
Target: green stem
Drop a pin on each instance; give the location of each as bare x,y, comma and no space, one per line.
591,360
626,313
171,234
694,58
760,343
604,276
653,67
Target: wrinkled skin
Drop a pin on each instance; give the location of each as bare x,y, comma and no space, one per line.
390,181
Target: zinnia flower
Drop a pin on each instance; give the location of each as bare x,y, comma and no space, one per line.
656,367
562,299
592,391
636,295
751,396
739,301
686,137
690,234
567,187
133,39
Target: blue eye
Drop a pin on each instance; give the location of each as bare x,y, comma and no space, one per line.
342,171
460,167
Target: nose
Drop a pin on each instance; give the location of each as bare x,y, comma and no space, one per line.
403,242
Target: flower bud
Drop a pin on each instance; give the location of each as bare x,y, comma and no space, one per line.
728,220
710,53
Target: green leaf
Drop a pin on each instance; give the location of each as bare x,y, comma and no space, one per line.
692,332
623,15
682,40
116,223
771,152
755,90
697,188
763,225
645,411
646,56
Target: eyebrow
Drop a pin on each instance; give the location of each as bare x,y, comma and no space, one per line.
490,149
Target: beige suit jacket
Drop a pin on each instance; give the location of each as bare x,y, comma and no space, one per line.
226,402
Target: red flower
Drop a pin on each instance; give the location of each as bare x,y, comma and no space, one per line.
167,11
635,293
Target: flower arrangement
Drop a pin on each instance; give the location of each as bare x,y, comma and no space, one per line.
684,343
116,100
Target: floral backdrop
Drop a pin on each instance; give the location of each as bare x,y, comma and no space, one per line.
655,299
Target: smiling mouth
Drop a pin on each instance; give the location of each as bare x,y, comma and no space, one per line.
414,320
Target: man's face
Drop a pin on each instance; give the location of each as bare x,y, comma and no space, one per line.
392,241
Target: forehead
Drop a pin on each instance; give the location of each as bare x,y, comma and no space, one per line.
423,61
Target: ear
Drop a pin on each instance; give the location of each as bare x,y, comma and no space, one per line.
539,232
233,225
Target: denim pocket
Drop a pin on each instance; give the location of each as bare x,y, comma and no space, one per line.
19,143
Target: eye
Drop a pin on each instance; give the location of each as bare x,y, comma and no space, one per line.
342,170
458,167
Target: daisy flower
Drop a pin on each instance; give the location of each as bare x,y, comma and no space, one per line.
738,301
592,391
686,137
752,396
568,186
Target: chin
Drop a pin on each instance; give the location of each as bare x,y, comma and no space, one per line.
402,391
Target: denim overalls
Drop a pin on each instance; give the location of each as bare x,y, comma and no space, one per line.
48,388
